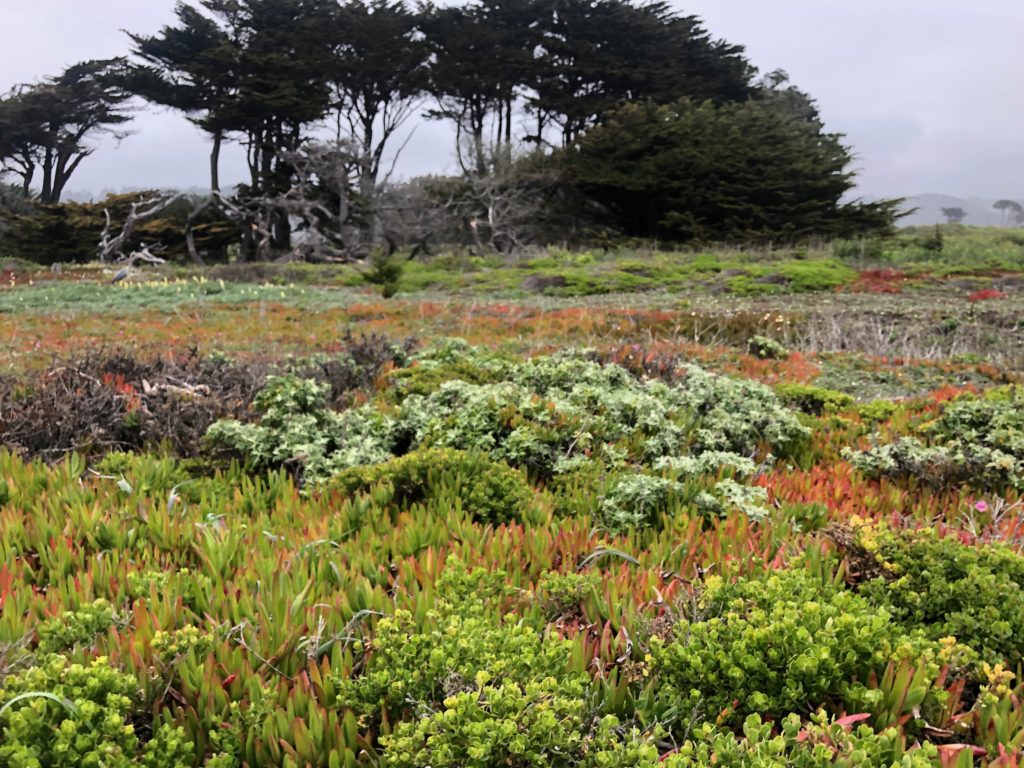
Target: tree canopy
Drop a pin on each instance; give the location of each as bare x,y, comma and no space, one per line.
739,171
47,127
633,109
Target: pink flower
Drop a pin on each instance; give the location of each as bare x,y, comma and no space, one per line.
981,506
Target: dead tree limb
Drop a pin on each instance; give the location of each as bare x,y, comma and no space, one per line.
112,248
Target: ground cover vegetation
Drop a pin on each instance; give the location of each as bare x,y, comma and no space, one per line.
262,524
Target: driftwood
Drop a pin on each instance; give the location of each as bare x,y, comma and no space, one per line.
112,248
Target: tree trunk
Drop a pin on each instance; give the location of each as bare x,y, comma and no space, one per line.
281,229
26,187
215,162
47,192
478,148
508,131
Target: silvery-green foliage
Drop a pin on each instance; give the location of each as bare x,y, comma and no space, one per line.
728,496
548,415
297,428
706,463
634,502
736,414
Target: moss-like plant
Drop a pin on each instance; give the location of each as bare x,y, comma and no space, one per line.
72,715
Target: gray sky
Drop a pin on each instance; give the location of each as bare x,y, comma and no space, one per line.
929,93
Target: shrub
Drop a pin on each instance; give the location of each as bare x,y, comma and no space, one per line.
822,743
410,668
491,491
707,463
549,415
537,724
780,644
69,715
934,243
766,348
191,586
811,399
385,271
817,275
636,501
979,441
554,409
738,415
422,379
727,496
72,628
298,430
558,593
544,724
877,410
947,588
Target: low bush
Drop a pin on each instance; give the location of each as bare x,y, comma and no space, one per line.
977,441
793,743
811,399
547,416
766,348
948,588
780,644
491,491
462,647
298,431
636,501
71,628
70,715
816,275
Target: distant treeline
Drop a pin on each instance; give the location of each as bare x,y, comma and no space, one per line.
573,120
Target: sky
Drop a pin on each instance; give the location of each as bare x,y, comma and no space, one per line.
929,93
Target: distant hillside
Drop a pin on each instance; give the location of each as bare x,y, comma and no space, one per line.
980,212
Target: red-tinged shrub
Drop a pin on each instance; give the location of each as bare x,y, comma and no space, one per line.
986,295
880,281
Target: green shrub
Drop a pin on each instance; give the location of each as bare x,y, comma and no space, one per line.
636,501
409,668
192,587
423,379
780,644
489,490
707,463
543,724
297,430
766,348
385,271
558,593
877,410
72,628
447,360
811,399
795,744
547,416
738,415
64,715
940,466
975,441
947,588
863,249
727,497
818,275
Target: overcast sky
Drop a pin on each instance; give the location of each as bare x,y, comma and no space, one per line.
929,94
